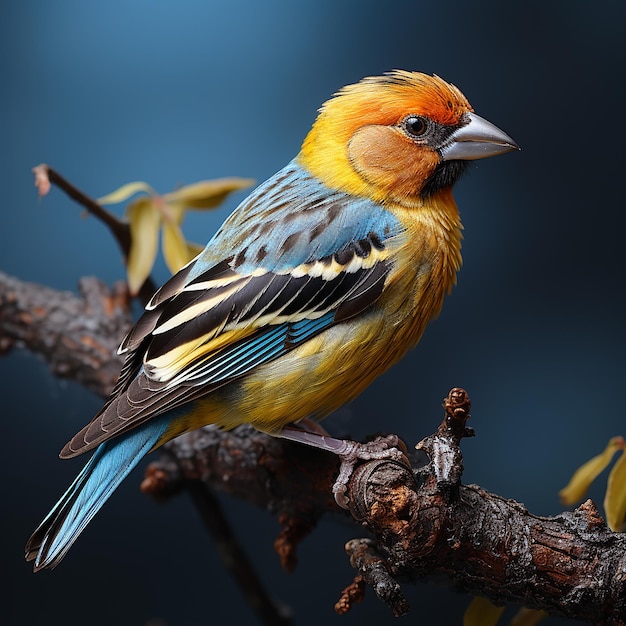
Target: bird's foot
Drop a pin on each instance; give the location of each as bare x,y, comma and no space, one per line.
350,452
388,447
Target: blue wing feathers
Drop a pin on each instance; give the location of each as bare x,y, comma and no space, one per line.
268,344
325,222
106,469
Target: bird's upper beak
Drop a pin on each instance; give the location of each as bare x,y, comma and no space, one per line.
477,139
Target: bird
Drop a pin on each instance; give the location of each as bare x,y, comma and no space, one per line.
317,283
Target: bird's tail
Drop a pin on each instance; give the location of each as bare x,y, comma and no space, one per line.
107,468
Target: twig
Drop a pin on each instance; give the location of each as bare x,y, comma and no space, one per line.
44,175
119,229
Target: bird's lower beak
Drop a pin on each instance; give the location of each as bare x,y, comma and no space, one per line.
477,139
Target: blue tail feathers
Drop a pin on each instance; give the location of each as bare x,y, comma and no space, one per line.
110,464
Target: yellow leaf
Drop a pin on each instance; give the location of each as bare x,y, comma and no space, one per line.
575,490
528,617
615,496
175,249
207,194
144,221
481,612
125,192
173,211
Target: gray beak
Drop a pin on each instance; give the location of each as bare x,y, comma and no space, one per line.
477,139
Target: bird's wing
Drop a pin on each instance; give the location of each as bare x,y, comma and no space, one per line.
222,316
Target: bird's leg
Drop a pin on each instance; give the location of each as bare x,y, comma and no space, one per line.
312,426
350,452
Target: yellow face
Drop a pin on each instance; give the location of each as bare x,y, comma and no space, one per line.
382,136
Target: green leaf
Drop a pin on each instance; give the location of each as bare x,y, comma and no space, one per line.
207,194
144,221
577,487
482,612
175,249
125,192
615,496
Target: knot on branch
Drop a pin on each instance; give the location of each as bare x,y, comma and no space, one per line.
383,492
380,493
407,507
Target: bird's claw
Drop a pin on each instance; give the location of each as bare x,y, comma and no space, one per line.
389,447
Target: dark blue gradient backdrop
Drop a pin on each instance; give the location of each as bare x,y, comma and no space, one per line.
172,93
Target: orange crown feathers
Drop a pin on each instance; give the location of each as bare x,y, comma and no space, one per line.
386,99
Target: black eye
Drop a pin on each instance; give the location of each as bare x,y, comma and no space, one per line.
415,126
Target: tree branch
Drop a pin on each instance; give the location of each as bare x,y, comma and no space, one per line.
76,335
424,523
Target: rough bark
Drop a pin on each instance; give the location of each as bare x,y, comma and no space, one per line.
76,335
423,523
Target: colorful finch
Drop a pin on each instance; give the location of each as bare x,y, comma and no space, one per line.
316,284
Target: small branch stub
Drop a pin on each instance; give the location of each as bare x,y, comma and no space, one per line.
352,594
457,406
374,569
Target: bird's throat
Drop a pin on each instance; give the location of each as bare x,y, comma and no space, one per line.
444,177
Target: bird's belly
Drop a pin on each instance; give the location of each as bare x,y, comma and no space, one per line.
320,376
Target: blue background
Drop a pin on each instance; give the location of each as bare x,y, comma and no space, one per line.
172,93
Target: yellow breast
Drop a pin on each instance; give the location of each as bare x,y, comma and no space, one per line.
333,368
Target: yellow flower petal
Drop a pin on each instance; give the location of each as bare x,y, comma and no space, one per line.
575,490
175,249
481,612
528,617
615,497
125,192
207,194
144,221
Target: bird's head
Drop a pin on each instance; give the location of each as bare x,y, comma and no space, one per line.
401,137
